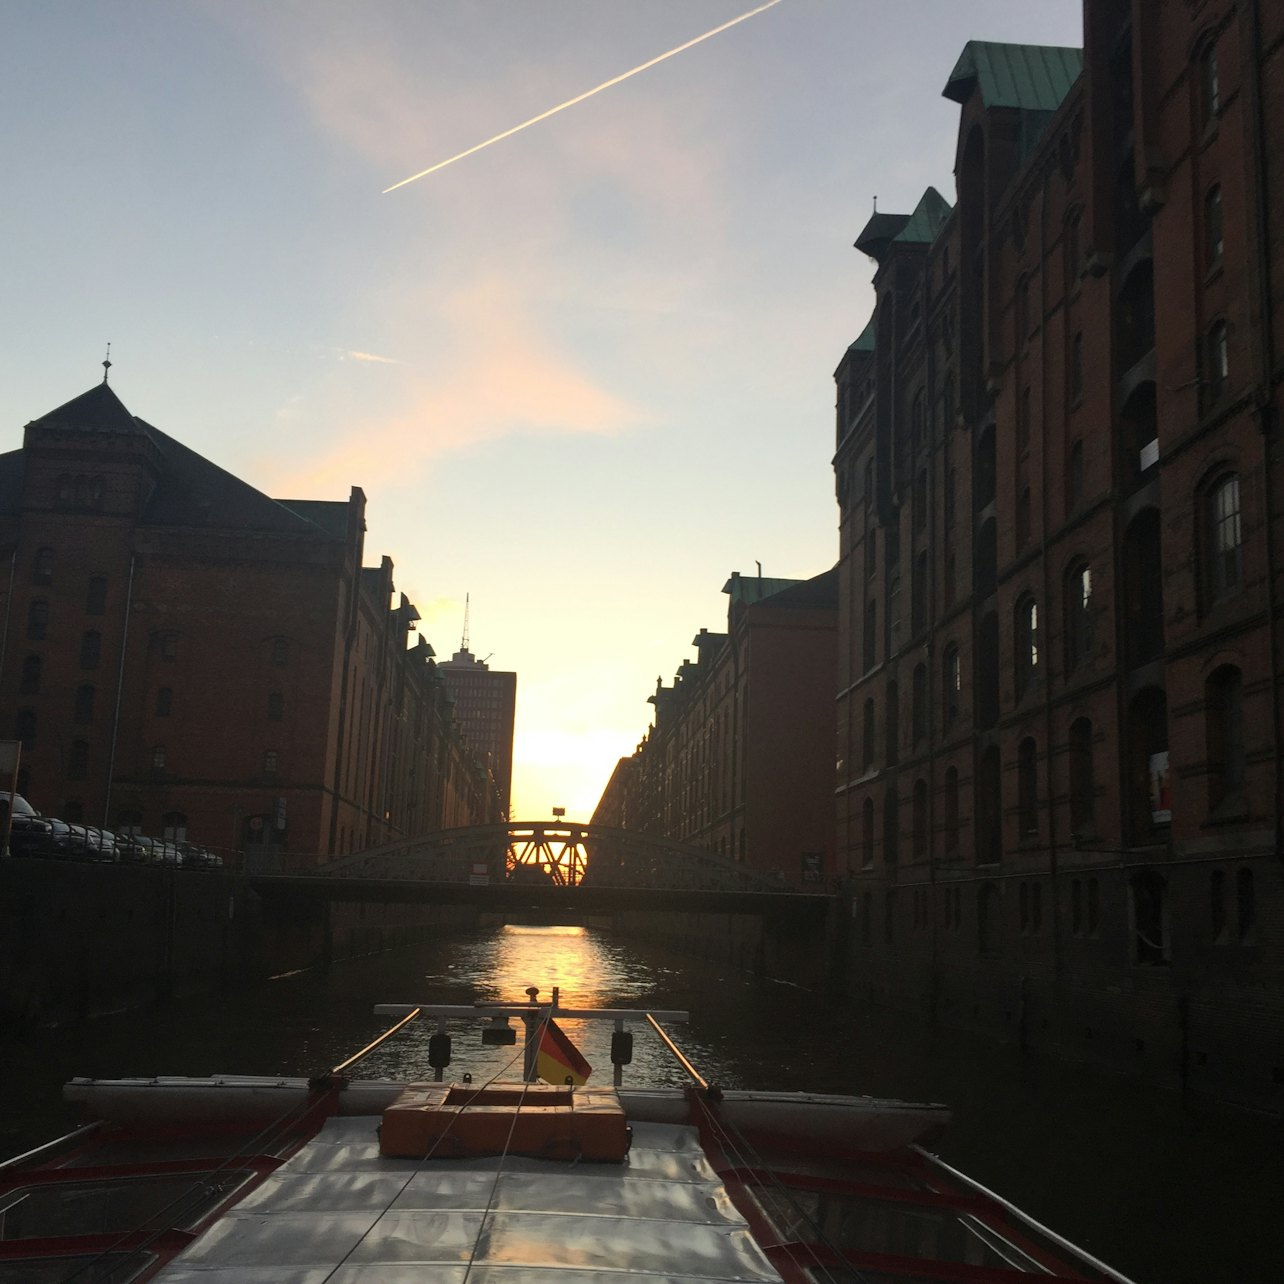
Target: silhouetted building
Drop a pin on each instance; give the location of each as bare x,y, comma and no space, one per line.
185,657
485,706
1057,469
740,759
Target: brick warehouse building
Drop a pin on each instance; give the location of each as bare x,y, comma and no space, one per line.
1058,478
740,757
181,655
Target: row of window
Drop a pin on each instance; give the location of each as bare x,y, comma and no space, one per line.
1231,919
165,643
1145,785
83,705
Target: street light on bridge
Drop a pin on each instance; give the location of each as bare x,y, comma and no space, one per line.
559,812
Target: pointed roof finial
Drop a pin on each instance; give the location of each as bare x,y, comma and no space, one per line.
463,646
107,362
875,204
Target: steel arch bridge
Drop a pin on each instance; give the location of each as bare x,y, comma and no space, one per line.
551,853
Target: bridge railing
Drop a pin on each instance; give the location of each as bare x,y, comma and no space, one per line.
566,854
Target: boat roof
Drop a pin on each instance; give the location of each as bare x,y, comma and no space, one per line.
339,1211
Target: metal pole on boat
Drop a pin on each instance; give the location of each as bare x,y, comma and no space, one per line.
532,1020
370,1047
677,1052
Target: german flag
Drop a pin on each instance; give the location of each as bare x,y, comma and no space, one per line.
557,1059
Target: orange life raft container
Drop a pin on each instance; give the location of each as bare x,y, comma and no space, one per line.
542,1121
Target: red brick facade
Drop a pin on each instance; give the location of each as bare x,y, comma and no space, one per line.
1060,600
184,656
740,760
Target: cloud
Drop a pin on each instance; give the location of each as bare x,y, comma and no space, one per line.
350,354
500,375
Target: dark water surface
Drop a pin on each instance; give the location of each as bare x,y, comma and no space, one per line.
1166,1193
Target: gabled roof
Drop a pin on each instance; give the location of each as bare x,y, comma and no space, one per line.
880,229
748,589
331,515
818,593
98,410
193,491
1030,77
864,341
930,215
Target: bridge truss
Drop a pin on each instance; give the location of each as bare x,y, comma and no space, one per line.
564,855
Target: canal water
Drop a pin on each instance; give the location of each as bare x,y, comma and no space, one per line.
1169,1194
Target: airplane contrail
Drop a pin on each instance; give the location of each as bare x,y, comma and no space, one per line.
579,98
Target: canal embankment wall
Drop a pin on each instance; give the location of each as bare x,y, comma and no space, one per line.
78,939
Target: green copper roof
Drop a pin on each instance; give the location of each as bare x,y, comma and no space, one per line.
1031,77
865,340
927,220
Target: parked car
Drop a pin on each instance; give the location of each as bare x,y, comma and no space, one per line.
136,848
29,831
195,857
88,842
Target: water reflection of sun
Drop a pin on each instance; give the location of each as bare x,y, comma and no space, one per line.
570,958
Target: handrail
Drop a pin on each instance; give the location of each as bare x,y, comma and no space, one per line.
677,1052
370,1047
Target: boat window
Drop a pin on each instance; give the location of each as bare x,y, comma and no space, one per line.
101,1207
105,1268
852,1223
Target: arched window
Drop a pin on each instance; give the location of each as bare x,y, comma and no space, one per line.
280,652
1210,86
920,500
985,566
1224,733
30,683
1076,366
989,832
1245,905
871,552
129,820
159,757
24,729
1023,518
78,760
1217,362
164,701
64,489
1082,781
867,832
989,926
920,819
871,634
951,805
868,752
894,616
42,566
1074,474
891,826
1223,538
276,706
174,827
96,597
1143,589
892,725
918,599
1078,615
951,684
918,704
918,421
37,620
84,708
1027,787
986,469
1022,311
1217,904
987,672
271,762
1213,242
1150,795
1026,648
1149,897
1074,249
91,647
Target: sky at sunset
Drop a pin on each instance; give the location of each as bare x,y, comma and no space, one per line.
582,374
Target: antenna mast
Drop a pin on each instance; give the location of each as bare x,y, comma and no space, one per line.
463,646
